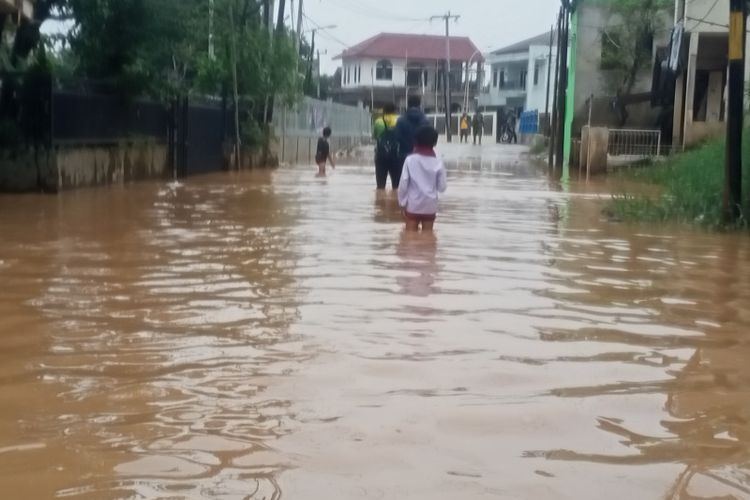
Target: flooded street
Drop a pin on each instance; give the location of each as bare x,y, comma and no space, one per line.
274,335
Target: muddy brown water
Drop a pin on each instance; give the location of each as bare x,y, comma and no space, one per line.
274,335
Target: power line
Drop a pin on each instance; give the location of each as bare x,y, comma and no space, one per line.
321,30
370,12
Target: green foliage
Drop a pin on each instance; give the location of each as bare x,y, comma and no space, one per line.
689,188
627,41
160,48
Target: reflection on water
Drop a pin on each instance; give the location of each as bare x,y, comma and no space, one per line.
273,335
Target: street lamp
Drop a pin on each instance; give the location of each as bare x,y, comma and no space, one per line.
468,73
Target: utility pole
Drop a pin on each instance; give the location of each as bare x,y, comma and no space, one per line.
735,110
235,88
549,74
211,50
562,92
300,13
280,19
447,73
555,115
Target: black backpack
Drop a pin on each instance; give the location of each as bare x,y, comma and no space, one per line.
388,149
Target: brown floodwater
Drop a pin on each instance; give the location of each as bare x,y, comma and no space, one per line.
274,335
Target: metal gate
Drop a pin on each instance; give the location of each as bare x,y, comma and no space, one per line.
201,128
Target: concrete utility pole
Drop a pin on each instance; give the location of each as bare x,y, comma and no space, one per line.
735,110
554,137
447,73
549,75
562,92
211,50
300,13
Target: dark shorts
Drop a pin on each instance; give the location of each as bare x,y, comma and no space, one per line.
321,159
420,217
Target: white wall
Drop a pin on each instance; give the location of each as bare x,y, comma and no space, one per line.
715,15
368,73
513,64
536,95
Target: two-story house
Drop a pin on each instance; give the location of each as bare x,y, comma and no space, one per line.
389,67
518,76
702,32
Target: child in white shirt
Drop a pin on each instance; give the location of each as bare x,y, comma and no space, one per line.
422,179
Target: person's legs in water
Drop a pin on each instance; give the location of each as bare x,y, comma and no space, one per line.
428,226
395,171
381,173
321,168
412,226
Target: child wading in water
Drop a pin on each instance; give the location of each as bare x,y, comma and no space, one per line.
323,155
423,178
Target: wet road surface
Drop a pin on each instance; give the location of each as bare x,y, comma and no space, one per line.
274,335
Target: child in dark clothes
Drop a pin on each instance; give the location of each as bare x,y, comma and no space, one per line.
323,154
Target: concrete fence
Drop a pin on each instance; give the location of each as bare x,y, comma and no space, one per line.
297,129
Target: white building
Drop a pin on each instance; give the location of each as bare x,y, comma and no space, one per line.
700,94
518,76
391,66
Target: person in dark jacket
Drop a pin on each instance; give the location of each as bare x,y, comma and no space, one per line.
406,126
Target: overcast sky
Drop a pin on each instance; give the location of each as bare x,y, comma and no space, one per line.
490,24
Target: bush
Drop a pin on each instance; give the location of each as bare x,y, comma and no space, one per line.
691,189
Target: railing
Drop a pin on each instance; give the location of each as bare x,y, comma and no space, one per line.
310,116
634,143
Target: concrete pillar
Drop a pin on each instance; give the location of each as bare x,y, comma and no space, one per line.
715,97
679,101
690,91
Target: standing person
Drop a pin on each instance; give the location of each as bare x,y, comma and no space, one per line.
323,154
424,177
407,125
387,155
511,127
477,126
465,125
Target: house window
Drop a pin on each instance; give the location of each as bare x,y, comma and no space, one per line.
537,70
523,78
359,73
414,75
384,70
494,78
610,51
502,79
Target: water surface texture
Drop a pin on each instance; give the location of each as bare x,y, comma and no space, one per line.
275,335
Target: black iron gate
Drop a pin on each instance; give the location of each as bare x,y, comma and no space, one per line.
199,134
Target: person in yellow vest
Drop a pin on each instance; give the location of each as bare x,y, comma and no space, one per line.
465,125
387,148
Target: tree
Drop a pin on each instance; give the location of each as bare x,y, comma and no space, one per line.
18,48
627,42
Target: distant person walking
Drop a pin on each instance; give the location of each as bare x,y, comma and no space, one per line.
424,178
323,153
510,125
465,126
406,127
477,126
387,148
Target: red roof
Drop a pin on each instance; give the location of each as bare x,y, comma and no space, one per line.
402,45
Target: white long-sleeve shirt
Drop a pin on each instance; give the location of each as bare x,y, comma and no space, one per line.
422,179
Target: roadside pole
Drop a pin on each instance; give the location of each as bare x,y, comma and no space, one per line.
447,73
562,94
555,116
549,75
735,110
